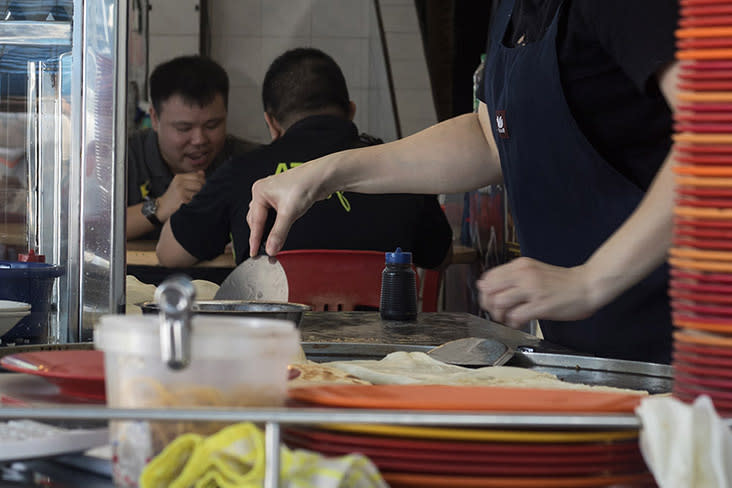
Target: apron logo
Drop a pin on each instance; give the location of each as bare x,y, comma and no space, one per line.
501,124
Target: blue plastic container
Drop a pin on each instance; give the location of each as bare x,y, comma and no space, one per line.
30,283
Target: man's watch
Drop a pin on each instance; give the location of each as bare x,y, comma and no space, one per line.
149,209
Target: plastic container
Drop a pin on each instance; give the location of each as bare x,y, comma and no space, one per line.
30,283
398,287
235,362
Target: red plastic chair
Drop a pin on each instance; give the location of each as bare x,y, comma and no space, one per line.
340,280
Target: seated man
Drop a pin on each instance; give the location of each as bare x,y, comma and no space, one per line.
168,164
309,114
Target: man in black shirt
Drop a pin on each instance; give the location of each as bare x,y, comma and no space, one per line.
308,112
168,164
575,120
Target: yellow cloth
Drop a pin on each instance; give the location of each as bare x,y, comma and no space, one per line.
234,458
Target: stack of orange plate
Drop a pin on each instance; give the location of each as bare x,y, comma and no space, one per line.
701,256
415,456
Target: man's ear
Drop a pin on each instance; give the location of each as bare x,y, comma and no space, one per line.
154,121
275,129
351,110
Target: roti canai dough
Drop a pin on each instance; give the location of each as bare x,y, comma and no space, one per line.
139,292
312,373
403,368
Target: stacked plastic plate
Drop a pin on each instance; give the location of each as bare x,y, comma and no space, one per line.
701,256
411,456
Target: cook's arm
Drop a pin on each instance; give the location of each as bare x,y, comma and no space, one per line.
456,155
170,253
526,289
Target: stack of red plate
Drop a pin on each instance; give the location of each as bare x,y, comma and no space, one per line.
416,456
701,256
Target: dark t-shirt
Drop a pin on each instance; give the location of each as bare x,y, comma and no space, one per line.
343,221
609,53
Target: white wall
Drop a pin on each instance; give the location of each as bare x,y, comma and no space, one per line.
246,36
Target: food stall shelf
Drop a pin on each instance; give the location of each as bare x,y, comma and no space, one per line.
273,418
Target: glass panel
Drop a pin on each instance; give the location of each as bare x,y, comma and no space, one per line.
29,61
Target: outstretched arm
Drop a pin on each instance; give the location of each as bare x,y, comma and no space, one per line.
526,289
453,156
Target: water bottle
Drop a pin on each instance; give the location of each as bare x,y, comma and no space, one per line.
398,287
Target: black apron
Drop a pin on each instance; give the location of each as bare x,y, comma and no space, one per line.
566,200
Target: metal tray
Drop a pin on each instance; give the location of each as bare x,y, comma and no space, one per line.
654,378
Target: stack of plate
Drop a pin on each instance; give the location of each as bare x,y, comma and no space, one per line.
11,312
412,456
701,256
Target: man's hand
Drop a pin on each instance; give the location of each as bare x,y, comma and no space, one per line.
526,289
181,190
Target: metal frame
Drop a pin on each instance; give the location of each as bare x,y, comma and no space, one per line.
273,419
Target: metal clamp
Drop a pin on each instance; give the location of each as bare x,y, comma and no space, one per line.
175,299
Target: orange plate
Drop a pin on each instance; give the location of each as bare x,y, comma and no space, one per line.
703,181
705,213
404,480
678,252
700,265
694,170
703,138
704,32
710,96
485,398
698,323
693,337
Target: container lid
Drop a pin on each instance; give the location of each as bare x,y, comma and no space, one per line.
399,257
31,269
211,336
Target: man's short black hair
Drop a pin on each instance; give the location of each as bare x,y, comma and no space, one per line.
303,81
196,79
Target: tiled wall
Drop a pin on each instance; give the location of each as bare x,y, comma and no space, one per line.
246,35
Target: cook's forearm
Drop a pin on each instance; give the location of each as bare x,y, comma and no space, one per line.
450,157
639,246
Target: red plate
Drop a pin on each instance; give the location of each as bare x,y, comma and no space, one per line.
703,244
709,355
703,228
690,75
707,310
705,10
700,287
696,43
700,297
415,480
723,384
705,223
390,461
721,406
706,148
703,107
696,370
77,373
724,278
718,20
521,450
703,338
602,460
705,202
710,158
713,324
699,359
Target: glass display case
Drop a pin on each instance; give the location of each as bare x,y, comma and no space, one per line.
62,151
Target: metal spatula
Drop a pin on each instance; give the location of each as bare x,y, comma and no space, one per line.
257,278
473,351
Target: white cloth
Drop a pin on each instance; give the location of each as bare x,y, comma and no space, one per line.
685,445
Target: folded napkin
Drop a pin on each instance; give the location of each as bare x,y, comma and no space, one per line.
234,458
685,445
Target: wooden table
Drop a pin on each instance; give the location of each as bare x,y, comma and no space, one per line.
142,253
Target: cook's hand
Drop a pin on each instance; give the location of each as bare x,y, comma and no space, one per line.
526,289
181,190
289,195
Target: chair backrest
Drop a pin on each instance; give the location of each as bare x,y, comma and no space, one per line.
340,280
333,280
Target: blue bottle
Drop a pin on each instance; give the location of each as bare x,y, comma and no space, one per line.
398,287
